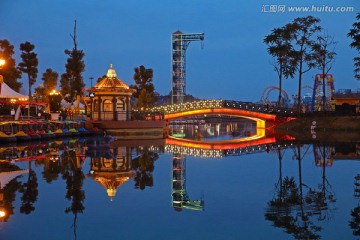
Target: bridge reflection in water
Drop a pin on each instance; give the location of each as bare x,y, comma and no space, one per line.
111,165
214,149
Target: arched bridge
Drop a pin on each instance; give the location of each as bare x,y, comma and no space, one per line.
261,113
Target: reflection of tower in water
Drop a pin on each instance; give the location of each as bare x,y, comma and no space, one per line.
323,155
180,198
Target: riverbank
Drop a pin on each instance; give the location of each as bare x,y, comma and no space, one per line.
338,129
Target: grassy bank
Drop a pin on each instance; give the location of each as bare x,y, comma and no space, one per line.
338,129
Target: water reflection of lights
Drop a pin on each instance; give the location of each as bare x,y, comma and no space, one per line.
220,148
54,156
207,153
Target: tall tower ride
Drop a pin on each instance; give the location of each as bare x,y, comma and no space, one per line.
322,83
180,42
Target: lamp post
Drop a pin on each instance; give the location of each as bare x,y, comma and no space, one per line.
91,78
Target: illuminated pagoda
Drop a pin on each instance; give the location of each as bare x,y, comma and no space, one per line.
110,98
110,167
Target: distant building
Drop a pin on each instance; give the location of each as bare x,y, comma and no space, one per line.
346,101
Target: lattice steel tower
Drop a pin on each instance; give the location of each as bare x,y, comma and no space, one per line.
180,42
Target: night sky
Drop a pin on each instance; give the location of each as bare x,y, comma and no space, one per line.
233,64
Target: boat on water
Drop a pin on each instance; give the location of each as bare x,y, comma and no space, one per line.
25,127
5,138
38,130
22,136
42,129
46,135
6,135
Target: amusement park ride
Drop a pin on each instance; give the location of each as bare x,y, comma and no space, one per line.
318,95
180,42
314,102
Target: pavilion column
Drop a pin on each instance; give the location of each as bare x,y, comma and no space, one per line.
115,114
128,109
91,108
99,107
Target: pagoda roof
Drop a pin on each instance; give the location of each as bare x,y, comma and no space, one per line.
110,83
111,182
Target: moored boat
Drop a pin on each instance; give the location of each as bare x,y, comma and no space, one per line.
59,133
46,135
5,138
21,136
34,135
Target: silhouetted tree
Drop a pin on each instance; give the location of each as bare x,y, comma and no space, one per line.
74,177
287,211
354,223
72,81
279,46
354,34
324,58
30,193
29,63
9,72
51,171
39,94
302,30
296,210
145,90
143,166
50,79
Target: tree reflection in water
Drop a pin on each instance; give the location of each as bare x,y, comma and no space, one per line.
143,167
73,175
30,192
295,207
355,213
295,211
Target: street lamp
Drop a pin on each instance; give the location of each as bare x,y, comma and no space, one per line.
2,213
2,63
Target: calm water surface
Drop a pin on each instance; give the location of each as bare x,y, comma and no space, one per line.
84,189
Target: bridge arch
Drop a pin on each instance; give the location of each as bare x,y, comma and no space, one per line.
259,113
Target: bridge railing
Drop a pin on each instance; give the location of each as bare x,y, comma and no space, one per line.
258,107
219,103
188,106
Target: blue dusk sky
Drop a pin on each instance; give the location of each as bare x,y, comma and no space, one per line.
233,64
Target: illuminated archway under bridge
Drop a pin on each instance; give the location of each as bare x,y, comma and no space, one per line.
222,148
264,115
